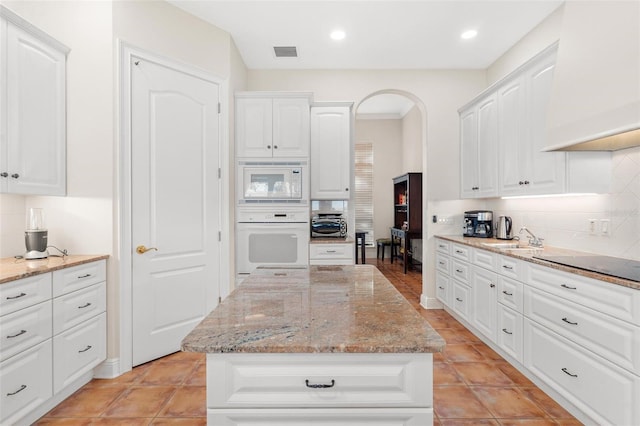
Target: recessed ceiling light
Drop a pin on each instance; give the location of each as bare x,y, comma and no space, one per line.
469,34
338,35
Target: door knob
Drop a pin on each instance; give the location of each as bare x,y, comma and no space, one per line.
143,249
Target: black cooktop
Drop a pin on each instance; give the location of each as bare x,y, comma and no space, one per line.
613,266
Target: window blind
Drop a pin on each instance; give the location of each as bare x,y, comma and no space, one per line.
364,190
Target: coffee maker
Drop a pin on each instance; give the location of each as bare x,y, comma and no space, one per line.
478,223
36,235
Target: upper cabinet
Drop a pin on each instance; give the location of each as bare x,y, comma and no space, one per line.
331,151
272,125
33,109
503,134
522,108
478,150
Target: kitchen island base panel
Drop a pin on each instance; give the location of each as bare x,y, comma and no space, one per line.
321,417
320,380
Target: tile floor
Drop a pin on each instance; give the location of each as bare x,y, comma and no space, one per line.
473,385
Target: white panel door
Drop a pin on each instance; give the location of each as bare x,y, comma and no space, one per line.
175,206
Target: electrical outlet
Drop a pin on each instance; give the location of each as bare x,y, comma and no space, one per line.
605,227
593,226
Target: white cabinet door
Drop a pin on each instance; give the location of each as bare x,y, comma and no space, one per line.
484,288
36,106
330,152
443,288
270,127
509,333
511,136
291,127
461,300
254,127
478,149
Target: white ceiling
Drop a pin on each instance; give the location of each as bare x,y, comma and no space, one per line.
391,34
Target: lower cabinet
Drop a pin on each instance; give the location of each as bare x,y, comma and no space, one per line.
461,300
331,254
509,332
281,389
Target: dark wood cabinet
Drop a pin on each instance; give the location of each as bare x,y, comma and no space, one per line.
407,196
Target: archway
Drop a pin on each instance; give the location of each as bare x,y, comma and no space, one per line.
387,104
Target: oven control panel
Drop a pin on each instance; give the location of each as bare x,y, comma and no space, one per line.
275,215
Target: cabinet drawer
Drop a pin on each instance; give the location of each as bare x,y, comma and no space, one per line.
606,393
73,308
443,287
443,263
288,380
510,293
485,259
78,350
318,253
616,300
77,277
509,334
24,329
25,382
461,271
321,417
443,246
25,292
510,267
615,340
461,252
461,300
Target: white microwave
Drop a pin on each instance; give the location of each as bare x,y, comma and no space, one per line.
272,182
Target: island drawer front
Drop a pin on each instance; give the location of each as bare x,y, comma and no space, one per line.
615,340
443,246
288,380
443,263
320,416
485,259
510,267
606,393
74,308
615,300
461,252
461,271
510,293
24,292
77,277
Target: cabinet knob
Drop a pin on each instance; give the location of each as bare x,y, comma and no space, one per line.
346,189
520,183
4,174
275,147
15,176
268,146
526,182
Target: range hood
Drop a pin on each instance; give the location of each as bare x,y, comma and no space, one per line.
595,98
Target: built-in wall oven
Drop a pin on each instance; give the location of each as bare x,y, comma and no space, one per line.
271,237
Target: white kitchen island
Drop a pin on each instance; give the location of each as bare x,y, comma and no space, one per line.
332,345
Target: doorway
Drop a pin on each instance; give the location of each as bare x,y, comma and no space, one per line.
170,204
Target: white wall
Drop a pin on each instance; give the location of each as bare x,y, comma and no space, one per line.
412,141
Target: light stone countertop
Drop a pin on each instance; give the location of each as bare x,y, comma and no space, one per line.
12,269
328,240
315,309
528,254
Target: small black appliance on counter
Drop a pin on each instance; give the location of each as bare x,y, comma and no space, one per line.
478,223
328,225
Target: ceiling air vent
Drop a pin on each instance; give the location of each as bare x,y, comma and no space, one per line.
285,51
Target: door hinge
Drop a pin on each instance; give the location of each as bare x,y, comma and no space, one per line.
219,299
219,173
219,108
219,235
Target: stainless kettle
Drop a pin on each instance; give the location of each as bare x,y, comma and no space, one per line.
504,228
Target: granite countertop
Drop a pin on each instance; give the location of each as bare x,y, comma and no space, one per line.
315,309
529,252
12,269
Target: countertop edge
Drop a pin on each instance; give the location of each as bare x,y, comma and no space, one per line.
528,257
12,269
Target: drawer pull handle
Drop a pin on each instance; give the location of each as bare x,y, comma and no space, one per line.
459,251
458,299
16,297
507,267
565,371
506,331
331,251
459,271
569,287
20,333
86,305
85,349
442,263
507,293
569,322
23,387
440,287
319,385
84,276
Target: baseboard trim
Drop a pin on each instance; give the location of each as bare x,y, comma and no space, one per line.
108,369
430,302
